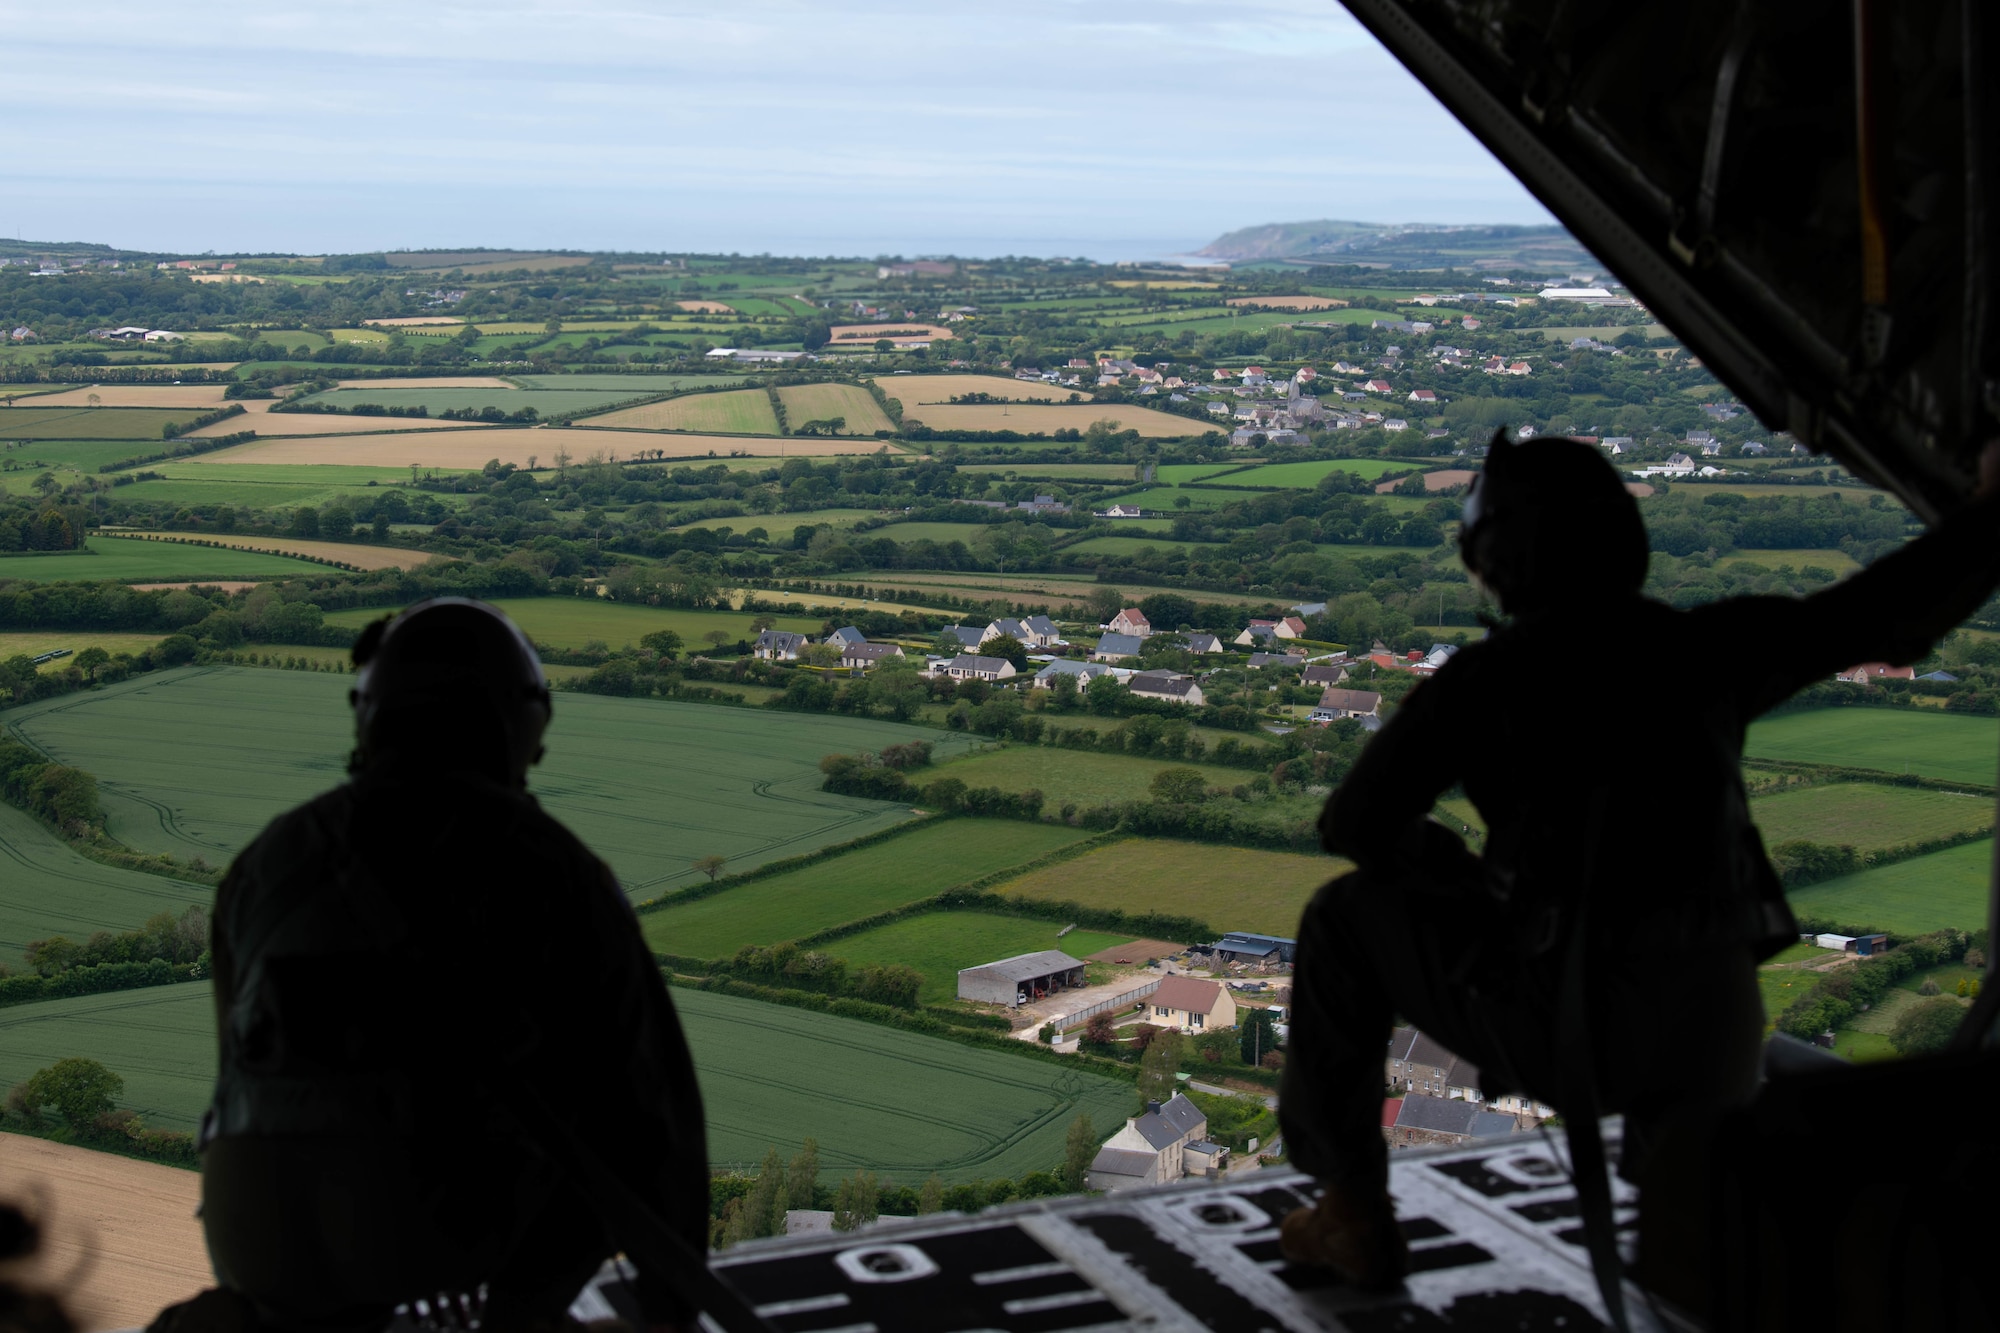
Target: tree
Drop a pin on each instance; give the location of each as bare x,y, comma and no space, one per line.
1062,692
1106,602
81,1090
1926,1026
930,1199
857,1201
802,1177
1170,611
662,643
1104,694
1255,1036
710,866
1160,1065
1008,647
1178,786
1079,1151
1100,1030
758,624
717,637
763,1207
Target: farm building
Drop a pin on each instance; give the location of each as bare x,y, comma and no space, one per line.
1019,979
1242,946
1431,1120
1865,945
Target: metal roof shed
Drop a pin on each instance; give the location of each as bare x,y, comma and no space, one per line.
1028,974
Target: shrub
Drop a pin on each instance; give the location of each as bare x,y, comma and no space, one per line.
1927,1026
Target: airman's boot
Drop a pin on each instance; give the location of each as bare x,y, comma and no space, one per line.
1354,1233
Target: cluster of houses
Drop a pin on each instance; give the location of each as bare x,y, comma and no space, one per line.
1436,1097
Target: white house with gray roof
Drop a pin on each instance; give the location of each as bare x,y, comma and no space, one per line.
1114,647
1084,672
777,645
1152,1149
970,666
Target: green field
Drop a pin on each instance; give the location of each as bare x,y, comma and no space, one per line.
131,560
1305,476
548,402
782,524
1173,474
195,761
1944,889
894,1102
940,944
90,423
625,386
1062,472
732,411
1082,776
899,1104
823,402
160,1040
1867,816
936,532
1952,746
1840,562
81,455
1231,888
53,891
848,887
572,622
1163,497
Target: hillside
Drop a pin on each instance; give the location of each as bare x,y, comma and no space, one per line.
1547,248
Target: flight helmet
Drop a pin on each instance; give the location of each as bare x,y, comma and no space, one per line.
450,683
1548,520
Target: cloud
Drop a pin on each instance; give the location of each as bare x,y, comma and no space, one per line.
880,125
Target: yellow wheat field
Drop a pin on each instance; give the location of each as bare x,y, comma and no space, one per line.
120,1239
259,417
202,397
1288,302
350,553
414,321
917,391
706,307
867,335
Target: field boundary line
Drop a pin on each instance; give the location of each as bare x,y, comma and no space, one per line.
723,883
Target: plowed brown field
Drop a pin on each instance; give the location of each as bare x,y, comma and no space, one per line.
1288,302
120,1239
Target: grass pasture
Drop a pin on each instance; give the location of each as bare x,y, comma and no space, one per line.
737,411
941,944
194,762
35,642
267,424
784,523
907,868
132,560
1840,562
625,386
1944,889
1953,746
468,449
89,423
1129,546
921,531
899,1104
1867,816
1231,888
822,402
1304,476
1082,776
265,486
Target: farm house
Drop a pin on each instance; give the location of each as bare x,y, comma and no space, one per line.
1020,979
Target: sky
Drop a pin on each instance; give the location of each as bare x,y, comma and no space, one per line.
851,127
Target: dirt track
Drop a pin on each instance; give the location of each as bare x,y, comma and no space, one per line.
120,1239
